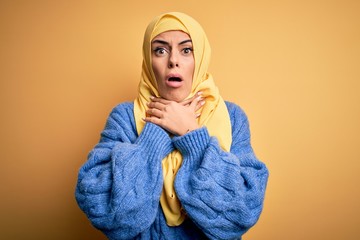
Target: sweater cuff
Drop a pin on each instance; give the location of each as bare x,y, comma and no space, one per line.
193,143
156,139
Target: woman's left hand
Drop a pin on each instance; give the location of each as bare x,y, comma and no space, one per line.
176,118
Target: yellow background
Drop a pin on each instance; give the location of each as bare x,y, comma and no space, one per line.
293,66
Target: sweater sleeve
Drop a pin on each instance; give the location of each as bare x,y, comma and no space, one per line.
119,186
222,192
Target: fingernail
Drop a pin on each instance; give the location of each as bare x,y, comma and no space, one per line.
202,102
199,93
152,97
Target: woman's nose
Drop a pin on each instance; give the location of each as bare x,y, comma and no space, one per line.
173,60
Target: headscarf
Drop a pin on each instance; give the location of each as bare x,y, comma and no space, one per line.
214,114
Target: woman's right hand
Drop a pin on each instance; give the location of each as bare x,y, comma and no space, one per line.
176,118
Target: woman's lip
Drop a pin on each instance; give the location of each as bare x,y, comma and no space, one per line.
173,75
174,84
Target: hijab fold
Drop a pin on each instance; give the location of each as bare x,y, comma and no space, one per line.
214,114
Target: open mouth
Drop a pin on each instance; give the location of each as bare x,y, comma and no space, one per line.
175,79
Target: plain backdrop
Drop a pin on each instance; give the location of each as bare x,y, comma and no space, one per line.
293,66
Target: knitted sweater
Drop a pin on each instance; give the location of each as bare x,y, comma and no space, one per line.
119,187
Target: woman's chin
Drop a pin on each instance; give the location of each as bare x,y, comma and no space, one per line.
175,97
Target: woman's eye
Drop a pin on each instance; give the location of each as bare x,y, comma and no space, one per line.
160,51
187,50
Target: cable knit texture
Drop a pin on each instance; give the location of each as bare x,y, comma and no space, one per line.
119,187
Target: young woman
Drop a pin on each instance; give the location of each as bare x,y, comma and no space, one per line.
177,162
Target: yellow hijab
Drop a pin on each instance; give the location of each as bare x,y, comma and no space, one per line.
214,114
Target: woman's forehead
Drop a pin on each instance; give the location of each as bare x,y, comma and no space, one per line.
172,35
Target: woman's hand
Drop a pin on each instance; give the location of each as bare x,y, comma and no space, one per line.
176,118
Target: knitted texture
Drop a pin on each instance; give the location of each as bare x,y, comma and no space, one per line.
119,187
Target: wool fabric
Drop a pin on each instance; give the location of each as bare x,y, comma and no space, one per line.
120,184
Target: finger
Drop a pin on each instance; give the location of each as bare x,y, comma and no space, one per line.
153,112
157,105
198,115
190,100
196,102
154,120
200,104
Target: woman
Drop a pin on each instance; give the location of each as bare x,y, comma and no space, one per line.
177,162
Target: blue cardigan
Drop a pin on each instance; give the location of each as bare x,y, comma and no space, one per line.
119,187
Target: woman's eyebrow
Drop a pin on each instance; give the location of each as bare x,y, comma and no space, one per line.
166,43
161,42
185,41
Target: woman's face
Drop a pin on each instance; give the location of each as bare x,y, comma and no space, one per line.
173,64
